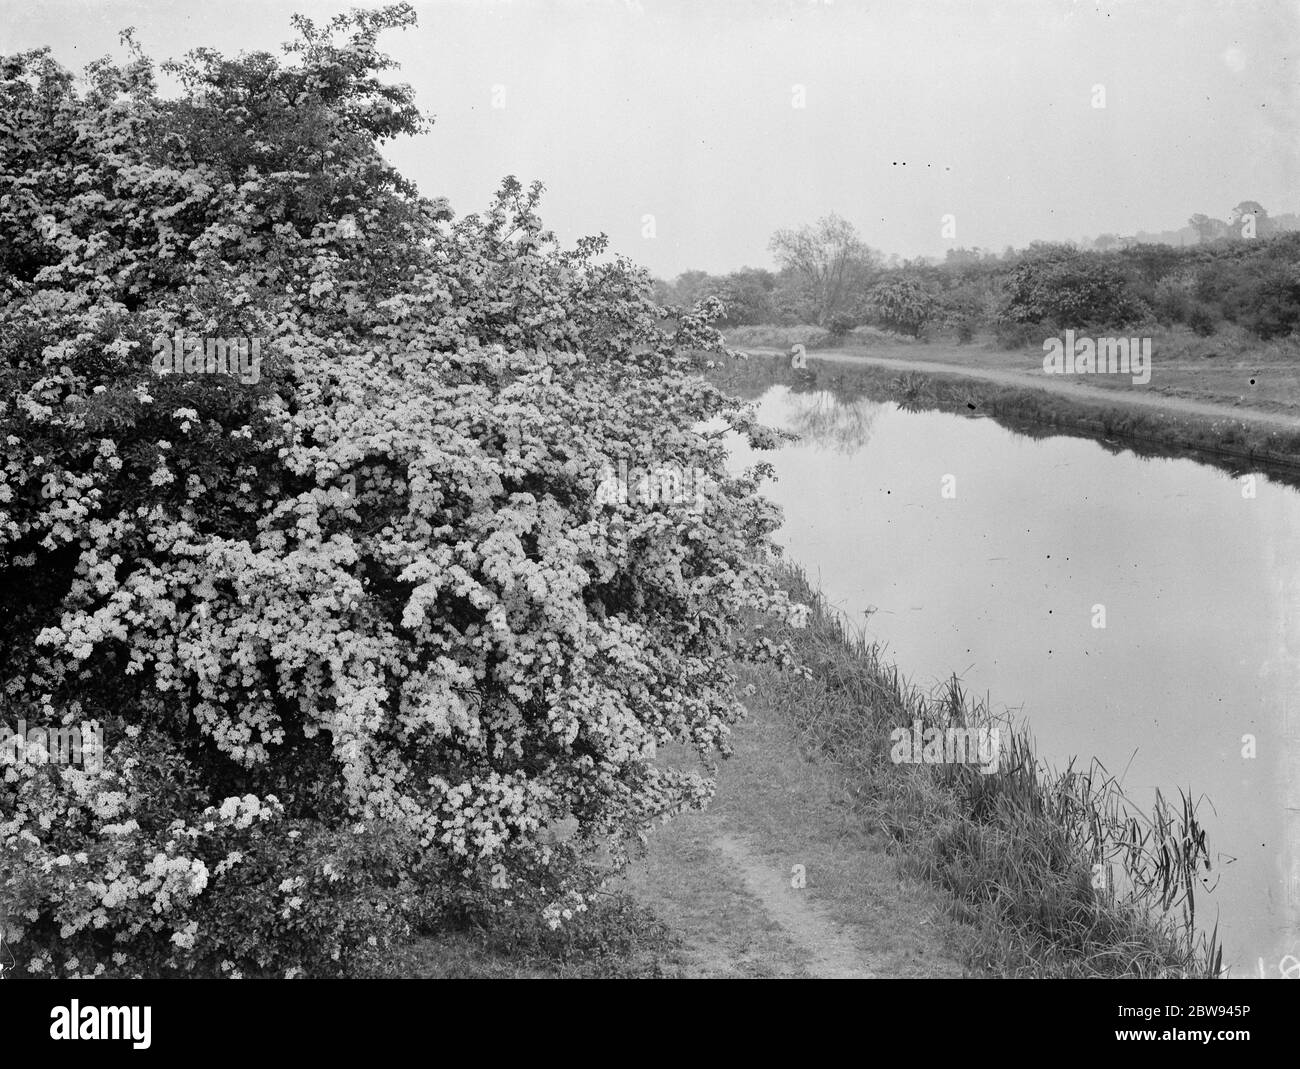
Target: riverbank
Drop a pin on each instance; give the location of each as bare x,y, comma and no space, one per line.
1049,873
1012,872
822,856
780,877
1238,441
1231,370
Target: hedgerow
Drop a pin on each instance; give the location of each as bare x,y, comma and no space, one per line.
357,633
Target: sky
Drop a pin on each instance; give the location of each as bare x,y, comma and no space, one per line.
690,130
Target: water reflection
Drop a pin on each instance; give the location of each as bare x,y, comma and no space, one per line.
839,424
1193,682
915,392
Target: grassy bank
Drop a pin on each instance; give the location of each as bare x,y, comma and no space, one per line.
1050,873
617,938
813,337
1230,367
1040,873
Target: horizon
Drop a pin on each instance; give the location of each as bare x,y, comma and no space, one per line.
687,113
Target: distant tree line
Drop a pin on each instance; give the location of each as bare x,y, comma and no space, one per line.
1248,219
1244,271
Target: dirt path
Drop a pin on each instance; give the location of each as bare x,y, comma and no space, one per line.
778,877
829,946
1063,385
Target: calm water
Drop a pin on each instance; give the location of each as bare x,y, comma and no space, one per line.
1201,593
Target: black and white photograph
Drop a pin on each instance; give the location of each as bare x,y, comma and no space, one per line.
649,489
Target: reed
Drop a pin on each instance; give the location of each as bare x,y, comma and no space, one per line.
1052,873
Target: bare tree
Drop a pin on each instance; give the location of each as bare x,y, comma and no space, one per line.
824,257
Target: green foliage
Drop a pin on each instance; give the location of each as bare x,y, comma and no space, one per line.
746,295
827,273
839,326
363,623
901,302
1061,286
1260,289
962,307
1201,320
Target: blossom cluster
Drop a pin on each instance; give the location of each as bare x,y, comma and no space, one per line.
407,682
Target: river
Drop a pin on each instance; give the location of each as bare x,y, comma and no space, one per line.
1145,612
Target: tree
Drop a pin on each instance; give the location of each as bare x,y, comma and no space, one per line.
358,628
1207,229
1249,219
902,302
1151,262
823,257
692,286
747,296
1058,284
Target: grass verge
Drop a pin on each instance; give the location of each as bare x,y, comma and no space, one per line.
1052,874
617,938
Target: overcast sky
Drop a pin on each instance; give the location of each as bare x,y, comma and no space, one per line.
686,111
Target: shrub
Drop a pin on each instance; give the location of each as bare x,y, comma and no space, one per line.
902,303
839,326
1018,335
870,336
747,296
1272,308
1062,285
1255,284
962,308
359,631
1172,301
1201,320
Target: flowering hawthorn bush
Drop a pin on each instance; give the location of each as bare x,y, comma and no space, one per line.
357,633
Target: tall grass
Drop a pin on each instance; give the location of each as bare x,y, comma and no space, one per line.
1053,873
